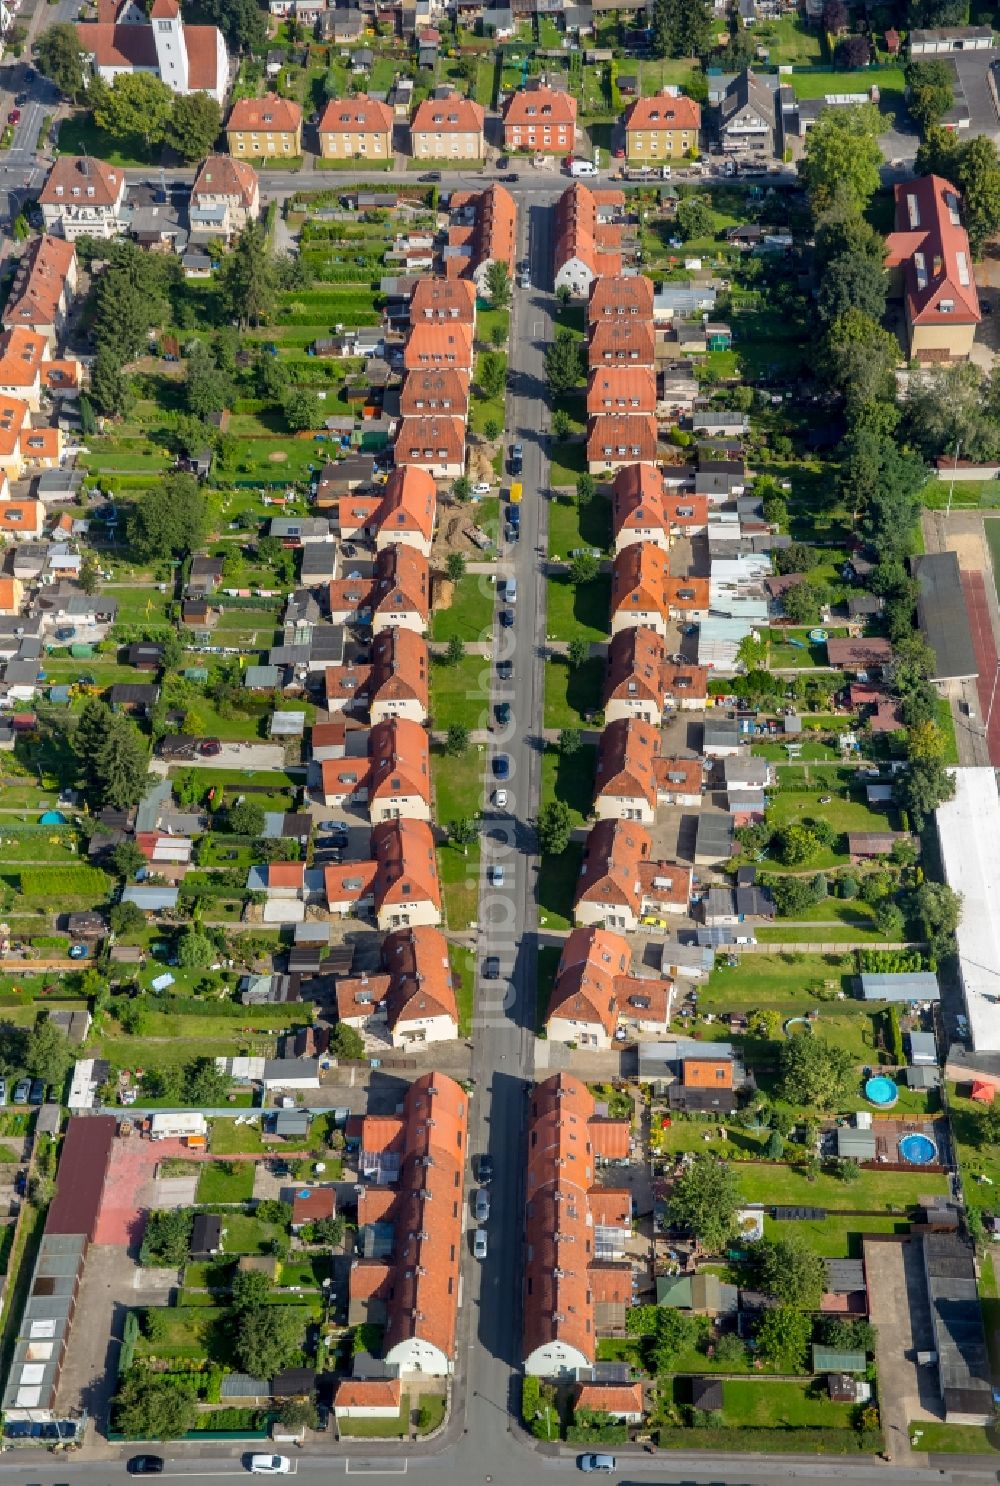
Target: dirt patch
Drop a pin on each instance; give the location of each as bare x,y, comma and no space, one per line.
480,465
444,592
278,456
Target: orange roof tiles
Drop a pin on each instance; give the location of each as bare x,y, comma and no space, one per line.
399,668
401,582
269,115
430,440
626,762
286,874
201,43
537,107
40,283
22,515
432,345
637,494
113,45
406,870
368,1393
614,852
687,595
684,683
665,884
621,342
610,1398
409,503
221,175
621,389
13,417
40,443
348,882
445,300
706,1072
357,115
640,578
615,436
684,512
584,989
399,755
79,177
933,248
10,592
436,389
495,234
420,976
57,375
610,1138
679,775
451,115
622,297
21,354
663,112
635,660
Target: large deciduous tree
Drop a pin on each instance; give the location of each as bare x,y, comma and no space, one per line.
815,1072
60,58
195,121
842,156
136,104
704,1200
169,520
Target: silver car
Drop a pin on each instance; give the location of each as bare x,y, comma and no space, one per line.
481,1205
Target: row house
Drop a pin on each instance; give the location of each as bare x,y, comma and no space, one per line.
24,447
689,599
629,343
26,371
432,347
396,593
84,197
576,1271
638,504
539,120
620,298
430,391
640,588
596,1001
358,128
620,884
412,999
621,389
633,778
443,302
412,1170
435,444
402,513
618,439
43,289
391,777
448,128
930,263
482,231
587,239
394,684
398,884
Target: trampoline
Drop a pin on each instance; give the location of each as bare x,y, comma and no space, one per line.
818,636
881,1091
52,818
918,1150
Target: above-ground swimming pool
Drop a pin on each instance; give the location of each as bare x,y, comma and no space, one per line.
881,1091
918,1150
52,818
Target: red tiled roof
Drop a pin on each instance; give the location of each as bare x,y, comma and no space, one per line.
436,389
221,175
622,389
409,503
580,234
270,115
444,299
286,874
399,755
79,175
637,495
612,857
616,436
430,440
663,112
40,282
640,577
495,236
401,581
368,1393
686,595
635,661
439,346
584,989
622,297
536,107
626,761
621,342
399,668
113,45
416,960
203,59
406,869
357,115
933,248
451,115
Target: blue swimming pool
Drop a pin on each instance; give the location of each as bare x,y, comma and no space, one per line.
52,818
881,1091
918,1150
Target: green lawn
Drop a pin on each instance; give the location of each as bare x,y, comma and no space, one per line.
459,873
79,135
567,463
225,1182
458,784
573,693
790,40
936,1438
837,1236
572,525
463,970
779,981
842,814
191,1331
230,1139
570,780
875,1190
818,83
557,882
756,1403
470,614
489,320
460,693
378,1429
578,609
975,1158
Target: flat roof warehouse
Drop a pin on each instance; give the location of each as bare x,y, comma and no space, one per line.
968,828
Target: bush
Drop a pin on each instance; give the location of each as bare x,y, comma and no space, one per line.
531,1397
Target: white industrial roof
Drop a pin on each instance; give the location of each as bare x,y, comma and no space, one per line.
969,833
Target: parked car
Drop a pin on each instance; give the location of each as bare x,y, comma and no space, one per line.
21,1091
500,799
145,1465
506,618
503,714
37,1093
485,1165
269,1465
597,1463
501,766
210,747
480,1244
513,177
505,670
336,828
14,117
482,487
516,459
3,1092
432,177
496,876
491,967
481,1205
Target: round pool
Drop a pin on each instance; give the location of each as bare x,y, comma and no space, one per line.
918,1150
818,636
881,1091
52,818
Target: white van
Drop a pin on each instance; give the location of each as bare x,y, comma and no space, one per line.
510,591
582,167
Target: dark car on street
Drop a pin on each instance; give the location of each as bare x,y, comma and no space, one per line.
485,1165
145,1465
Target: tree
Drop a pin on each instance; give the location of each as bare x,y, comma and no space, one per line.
560,424
704,1200
47,1053
792,895
248,280
694,218
195,951
60,57
797,557
836,17
195,121
675,1332
251,1291
853,52
267,1339
127,860
301,409
455,566
327,1231
498,283
242,22
775,1146
801,602
464,832
90,572
205,1083
586,489
842,155
922,788
170,520
457,740
109,386
925,740
584,568
979,179
245,818
491,430
849,1335
271,376
795,844
682,28
347,1043
791,1271
570,742
126,918
461,488
939,909
815,1073
783,1337
930,93
861,361
137,103
564,362
555,827
578,652
298,1413
207,390
153,1406
852,282
492,374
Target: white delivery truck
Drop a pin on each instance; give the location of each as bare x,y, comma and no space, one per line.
582,168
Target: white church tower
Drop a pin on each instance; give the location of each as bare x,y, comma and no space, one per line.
171,47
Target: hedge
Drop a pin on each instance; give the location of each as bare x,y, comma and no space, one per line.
603,1434
774,1441
531,1397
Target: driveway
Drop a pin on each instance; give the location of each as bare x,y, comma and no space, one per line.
977,72
255,756
900,1310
